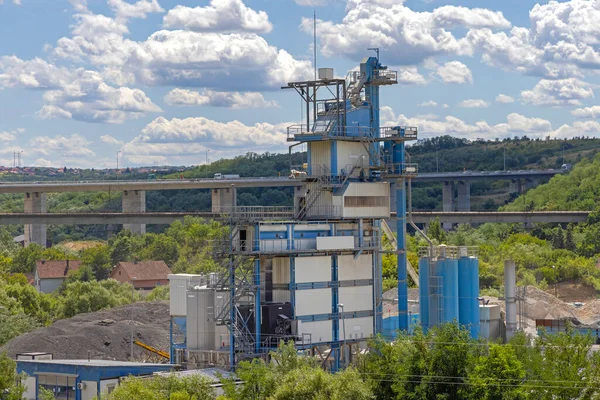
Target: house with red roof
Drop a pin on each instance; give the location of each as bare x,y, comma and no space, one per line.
143,274
49,274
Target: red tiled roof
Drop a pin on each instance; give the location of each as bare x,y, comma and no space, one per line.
56,269
145,270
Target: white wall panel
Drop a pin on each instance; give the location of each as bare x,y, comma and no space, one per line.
281,270
367,189
320,154
356,298
178,284
357,328
313,269
313,227
350,269
335,243
313,301
320,331
349,153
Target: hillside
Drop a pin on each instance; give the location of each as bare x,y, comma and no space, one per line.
441,154
577,190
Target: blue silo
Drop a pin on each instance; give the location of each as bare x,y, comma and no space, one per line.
468,292
449,274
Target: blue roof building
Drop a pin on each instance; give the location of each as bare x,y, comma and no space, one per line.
80,379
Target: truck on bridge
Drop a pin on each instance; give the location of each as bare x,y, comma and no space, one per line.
219,175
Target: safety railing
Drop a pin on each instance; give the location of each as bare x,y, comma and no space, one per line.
400,169
258,212
444,251
403,132
385,76
287,246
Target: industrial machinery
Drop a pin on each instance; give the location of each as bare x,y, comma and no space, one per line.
151,349
315,278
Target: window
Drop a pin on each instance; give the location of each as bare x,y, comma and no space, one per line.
366,201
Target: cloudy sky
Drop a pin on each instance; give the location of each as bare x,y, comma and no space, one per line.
163,81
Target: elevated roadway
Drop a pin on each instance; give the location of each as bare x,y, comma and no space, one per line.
100,218
179,184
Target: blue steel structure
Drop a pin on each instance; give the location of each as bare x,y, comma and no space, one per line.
351,162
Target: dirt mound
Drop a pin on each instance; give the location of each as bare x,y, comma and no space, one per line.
81,245
589,314
105,334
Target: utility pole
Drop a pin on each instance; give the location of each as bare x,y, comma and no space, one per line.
132,306
117,171
207,156
504,156
437,161
563,154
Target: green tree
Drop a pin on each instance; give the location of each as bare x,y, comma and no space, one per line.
99,260
9,389
25,259
497,375
435,231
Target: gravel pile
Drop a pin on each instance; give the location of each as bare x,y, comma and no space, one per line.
105,334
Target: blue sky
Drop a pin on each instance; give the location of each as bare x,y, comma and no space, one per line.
163,81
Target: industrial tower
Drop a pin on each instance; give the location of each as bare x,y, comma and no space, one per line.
312,275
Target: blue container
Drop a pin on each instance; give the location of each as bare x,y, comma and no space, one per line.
449,274
423,292
468,292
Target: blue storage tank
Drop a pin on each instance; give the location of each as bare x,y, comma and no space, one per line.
468,292
449,274
423,292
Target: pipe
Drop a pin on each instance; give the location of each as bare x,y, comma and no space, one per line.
411,222
510,289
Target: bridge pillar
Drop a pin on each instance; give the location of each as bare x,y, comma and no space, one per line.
464,196
448,201
35,202
224,200
134,201
514,186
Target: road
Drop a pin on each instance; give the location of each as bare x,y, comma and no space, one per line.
178,184
169,217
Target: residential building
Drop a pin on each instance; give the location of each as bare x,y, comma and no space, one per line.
50,274
144,274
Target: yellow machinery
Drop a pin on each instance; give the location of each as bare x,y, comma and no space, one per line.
151,349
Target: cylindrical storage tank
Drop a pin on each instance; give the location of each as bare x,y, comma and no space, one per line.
468,292
423,292
201,324
449,274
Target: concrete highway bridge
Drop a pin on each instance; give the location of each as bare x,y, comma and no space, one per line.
224,192
164,218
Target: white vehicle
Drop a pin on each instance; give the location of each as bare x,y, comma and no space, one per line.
219,175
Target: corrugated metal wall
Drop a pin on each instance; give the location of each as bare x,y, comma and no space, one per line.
321,331
349,154
320,155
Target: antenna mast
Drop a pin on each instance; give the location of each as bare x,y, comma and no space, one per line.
315,41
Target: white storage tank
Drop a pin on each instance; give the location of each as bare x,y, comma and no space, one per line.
201,326
326,74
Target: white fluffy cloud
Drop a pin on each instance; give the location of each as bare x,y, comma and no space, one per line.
111,140
17,2
450,125
502,98
563,40
73,146
74,93
220,16
587,112
454,72
311,3
139,9
474,103
181,140
429,103
9,136
408,37
237,60
558,92
184,97
410,76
